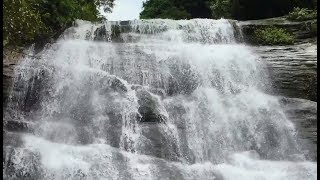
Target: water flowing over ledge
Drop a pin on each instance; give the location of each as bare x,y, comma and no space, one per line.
175,100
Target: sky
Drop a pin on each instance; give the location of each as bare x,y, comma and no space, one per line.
125,10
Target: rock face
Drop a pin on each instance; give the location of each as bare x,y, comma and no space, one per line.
303,113
149,107
100,34
301,30
292,69
129,113
10,59
243,30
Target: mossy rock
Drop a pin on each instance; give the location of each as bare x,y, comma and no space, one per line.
273,36
116,33
299,30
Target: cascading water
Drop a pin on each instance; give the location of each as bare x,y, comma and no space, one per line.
164,99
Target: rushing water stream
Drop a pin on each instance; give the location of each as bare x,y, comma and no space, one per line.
167,100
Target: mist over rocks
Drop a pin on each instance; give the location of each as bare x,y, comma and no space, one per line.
184,100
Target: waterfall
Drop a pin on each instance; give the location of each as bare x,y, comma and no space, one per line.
148,99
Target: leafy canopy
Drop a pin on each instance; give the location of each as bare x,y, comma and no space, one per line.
25,21
235,9
175,9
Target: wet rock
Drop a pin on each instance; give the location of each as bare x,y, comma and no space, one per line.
85,136
303,113
237,31
292,70
21,163
157,143
183,79
136,87
158,91
116,33
100,34
149,107
177,114
82,112
35,85
10,59
119,160
18,126
111,83
124,23
118,85
114,129
12,139
301,30
171,172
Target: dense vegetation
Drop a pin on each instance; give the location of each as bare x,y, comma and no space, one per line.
235,9
26,21
175,9
273,36
302,14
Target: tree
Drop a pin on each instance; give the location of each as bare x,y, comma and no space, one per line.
28,20
175,9
221,8
106,5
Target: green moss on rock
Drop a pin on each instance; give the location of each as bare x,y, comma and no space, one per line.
273,36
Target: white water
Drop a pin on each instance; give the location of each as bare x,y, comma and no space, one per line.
216,122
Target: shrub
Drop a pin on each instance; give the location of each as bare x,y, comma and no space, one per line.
273,36
302,14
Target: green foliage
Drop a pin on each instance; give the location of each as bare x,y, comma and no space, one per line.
175,9
235,9
164,9
21,22
28,20
302,14
221,8
256,9
273,36
106,5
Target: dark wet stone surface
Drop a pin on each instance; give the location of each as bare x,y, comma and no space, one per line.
292,70
100,34
158,143
149,107
303,113
18,126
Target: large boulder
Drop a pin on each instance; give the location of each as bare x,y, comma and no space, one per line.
158,143
150,108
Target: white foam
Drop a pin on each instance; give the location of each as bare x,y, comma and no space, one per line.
215,84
